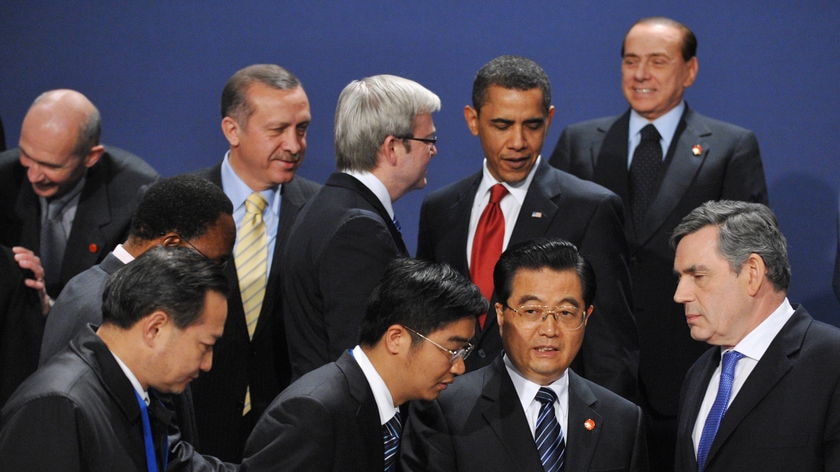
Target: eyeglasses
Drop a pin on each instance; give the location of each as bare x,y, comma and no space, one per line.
221,260
462,353
433,140
568,317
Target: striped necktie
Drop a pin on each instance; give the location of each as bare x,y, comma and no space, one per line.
548,434
391,441
250,256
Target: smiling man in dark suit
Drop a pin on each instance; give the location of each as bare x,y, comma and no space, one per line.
690,159
265,116
510,113
64,195
503,416
767,396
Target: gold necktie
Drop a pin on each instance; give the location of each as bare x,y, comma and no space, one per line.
250,256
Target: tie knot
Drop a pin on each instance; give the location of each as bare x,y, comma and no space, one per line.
649,133
730,359
497,192
255,204
546,395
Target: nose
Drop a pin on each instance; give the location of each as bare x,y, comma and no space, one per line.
459,367
33,172
641,71
548,327
517,139
206,362
682,294
293,142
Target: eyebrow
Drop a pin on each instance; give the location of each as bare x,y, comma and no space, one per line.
568,300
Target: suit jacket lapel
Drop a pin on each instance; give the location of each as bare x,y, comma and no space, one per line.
502,410
92,213
694,393
458,224
611,163
539,207
773,366
581,442
367,414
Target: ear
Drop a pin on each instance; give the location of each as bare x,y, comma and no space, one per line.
754,272
549,117
500,316
588,312
693,67
152,325
396,339
94,155
230,128
471,117
170,239
389,151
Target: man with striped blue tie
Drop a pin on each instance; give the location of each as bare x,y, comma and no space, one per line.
345,416
528,410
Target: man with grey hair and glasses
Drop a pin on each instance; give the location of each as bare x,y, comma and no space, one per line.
767,395
344,238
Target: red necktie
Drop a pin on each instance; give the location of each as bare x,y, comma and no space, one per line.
487,244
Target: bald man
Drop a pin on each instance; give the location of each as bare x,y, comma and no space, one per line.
64,195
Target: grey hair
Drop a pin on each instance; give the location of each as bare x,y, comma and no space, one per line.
744,229
373,108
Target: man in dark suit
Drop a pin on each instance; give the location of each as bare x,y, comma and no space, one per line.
345,415
501,417
767,396
96,404
344,238
511,113
265,115
696,159
63,195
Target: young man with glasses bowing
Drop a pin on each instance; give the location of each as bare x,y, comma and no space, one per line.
345,415
528,410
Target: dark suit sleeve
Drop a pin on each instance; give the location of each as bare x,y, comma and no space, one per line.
44,434
562,154
352,264
425,240
295,434
425,444
639,461
744,179
610,346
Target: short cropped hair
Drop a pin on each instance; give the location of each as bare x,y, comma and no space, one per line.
185,204
689,41
744,228
510,72
373,108
554,254
235,94
424,296
172,279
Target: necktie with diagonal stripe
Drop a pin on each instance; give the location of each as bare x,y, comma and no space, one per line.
548,434
250,256
391,441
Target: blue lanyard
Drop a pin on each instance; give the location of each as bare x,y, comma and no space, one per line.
151,462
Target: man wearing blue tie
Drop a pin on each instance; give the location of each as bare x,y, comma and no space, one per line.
527,410
767,396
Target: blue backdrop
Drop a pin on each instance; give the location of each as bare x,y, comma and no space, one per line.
156,69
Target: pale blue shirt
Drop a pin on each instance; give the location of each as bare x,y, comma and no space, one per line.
510,204
527,392
666,125
381,393
753,347
238,191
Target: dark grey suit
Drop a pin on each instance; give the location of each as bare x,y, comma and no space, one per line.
112,190
557,205
337,253
787,414
260,362
477,424
325,421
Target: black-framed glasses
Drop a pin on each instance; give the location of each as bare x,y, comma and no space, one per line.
568,317
433,140
222,261
462,353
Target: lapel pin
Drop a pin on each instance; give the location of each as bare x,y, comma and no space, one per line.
536,214
93,248
696,150
589,424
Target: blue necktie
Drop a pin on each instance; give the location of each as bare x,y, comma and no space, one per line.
391,441
548,434
710,428
151,462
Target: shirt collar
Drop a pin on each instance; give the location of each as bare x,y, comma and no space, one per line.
376,186
756,342
517,190
131,378
527,390
666,124
381,393
121,254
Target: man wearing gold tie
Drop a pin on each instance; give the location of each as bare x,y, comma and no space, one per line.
265,116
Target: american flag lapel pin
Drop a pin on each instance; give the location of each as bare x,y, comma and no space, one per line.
536,214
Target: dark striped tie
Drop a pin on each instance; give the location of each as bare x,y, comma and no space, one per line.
549,435
391,441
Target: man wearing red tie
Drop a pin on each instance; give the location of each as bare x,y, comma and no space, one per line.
517,197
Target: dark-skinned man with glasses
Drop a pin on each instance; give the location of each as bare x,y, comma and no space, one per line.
528,410
345,416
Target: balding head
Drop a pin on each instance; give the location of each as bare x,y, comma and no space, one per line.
59,139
